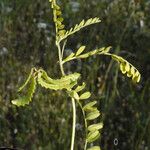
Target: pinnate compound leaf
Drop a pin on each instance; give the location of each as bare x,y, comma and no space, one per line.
92,136
80,50
68,79
85,95
94,148
93,115
66,82
79,26
97,126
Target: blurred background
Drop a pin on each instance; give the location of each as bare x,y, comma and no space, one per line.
27,39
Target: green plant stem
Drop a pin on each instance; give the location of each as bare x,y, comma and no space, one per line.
73,124
73,100
60,58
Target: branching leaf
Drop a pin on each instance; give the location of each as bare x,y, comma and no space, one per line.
79,26
99,51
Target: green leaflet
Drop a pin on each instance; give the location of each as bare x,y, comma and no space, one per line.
92,136
80,88
97,126
89,106
86,55
104,50
79,26
93,115
69,57
94,148
22,101
90,109
80,50
85,95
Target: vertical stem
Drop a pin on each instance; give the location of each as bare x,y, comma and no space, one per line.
60,59
60,55
85,145
73,100
73,124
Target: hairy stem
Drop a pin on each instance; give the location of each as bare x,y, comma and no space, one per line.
73,124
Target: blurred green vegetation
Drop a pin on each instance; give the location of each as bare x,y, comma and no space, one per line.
27,40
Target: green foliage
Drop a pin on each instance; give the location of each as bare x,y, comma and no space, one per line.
78,27
69,82
85,95
127,68
92,136
66,82
80,50
95,126
22,101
